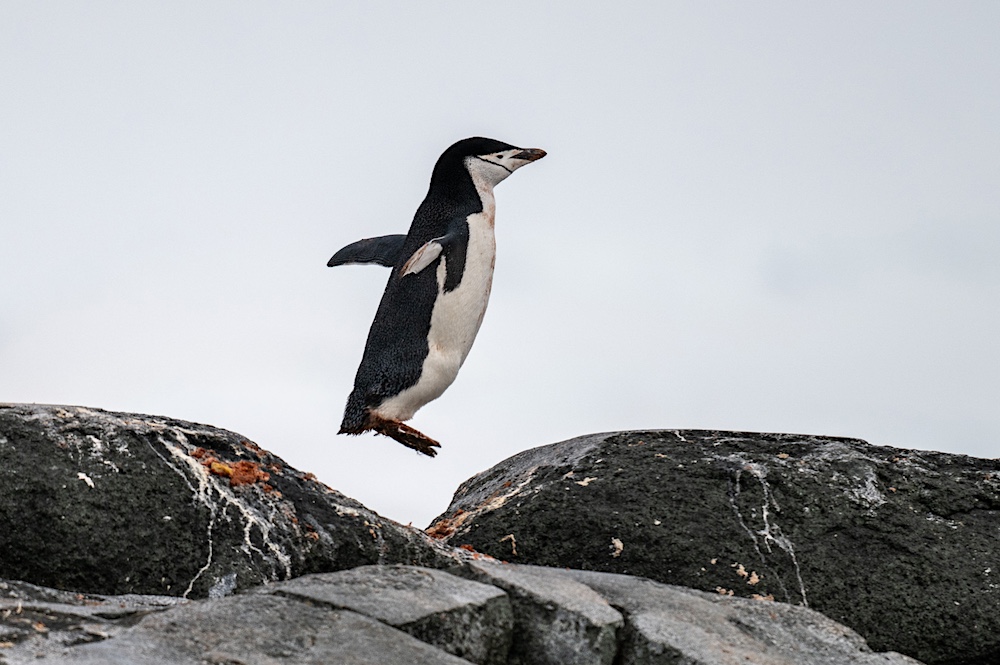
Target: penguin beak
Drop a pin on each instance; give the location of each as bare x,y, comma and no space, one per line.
530,154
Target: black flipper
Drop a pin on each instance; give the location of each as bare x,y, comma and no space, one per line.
384,250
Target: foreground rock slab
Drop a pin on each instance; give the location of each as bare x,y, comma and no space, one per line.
668,624
560,617
36,622
115,503
900,545
259,629
465,618
558,621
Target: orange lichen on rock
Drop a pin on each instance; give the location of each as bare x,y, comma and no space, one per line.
243,472
217,468
478,556
253,447
205,457
246,472
311,533
444,528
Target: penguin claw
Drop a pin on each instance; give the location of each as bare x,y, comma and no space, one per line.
406,435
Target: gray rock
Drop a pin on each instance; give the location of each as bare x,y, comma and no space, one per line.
37,621
667,624
257,630
464,618
115,503
557,621
561,616
900,545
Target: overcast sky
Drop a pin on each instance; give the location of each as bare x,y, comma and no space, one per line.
754,216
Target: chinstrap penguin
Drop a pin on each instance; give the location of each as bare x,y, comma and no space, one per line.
434,302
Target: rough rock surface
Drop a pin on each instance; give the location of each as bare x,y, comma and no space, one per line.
114,503
303,622
37,621
245,630
558,621
900,545
678,625
465,618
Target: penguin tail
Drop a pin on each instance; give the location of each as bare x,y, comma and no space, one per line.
356,415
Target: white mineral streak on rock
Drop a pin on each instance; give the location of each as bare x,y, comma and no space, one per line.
186,466
201,494
495,502
251,516
98,449
771,532
346,510
937,519
868,494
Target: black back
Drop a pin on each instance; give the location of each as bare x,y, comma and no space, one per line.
397,341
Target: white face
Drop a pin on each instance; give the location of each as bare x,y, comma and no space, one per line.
490,169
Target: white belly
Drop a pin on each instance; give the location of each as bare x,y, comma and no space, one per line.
455,321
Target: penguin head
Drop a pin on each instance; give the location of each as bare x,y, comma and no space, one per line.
487,161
